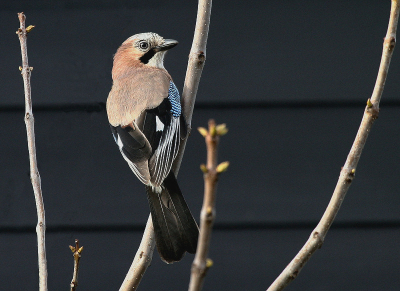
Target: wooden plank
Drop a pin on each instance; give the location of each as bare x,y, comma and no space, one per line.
277,51
284,166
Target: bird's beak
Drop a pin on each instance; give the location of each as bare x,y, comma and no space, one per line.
168,44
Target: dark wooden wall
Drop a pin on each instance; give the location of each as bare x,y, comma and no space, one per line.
290,79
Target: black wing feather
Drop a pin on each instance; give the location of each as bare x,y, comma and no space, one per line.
134,144
149,130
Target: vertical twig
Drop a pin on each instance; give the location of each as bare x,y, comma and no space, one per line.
197,58
348,171
34,172
76,251
211,171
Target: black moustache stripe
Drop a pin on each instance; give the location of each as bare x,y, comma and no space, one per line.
147,56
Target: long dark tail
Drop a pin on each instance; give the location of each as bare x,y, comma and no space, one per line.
176,231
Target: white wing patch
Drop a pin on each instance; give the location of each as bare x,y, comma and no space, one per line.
160,125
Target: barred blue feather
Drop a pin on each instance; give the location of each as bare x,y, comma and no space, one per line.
175,99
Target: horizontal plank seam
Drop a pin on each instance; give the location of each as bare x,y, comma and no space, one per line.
217,227
100,106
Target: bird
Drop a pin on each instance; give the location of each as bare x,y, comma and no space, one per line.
147,123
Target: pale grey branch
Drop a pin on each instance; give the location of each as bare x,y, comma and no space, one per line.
211,171
192,79
349,169
34,172
142,259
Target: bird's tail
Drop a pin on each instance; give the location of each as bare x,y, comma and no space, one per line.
176,231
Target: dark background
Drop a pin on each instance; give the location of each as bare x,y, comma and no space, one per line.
290,79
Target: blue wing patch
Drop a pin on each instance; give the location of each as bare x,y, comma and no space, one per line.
175,99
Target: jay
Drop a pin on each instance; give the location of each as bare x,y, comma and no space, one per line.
144,112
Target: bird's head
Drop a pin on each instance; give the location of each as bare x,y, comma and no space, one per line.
143,49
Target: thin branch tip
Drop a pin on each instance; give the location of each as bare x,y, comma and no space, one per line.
21,17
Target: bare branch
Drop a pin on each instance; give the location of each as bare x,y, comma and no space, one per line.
211,171
76,251
349,169
142,259
34,172
197,58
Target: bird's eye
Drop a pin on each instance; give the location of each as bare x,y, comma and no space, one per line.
143,45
